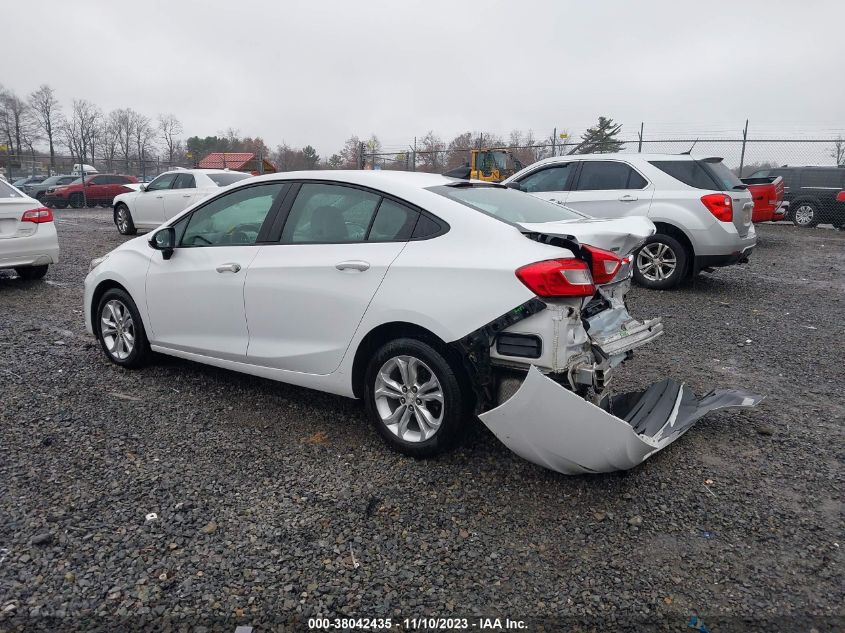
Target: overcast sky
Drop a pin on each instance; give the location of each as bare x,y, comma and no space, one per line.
319,71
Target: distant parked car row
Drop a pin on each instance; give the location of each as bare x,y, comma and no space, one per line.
810,193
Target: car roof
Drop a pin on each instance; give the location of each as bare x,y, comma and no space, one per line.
372,178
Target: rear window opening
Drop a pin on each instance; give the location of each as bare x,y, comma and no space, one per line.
507,205
710,174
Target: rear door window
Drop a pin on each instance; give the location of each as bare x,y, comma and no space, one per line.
554,178
600,175
185,181
329,214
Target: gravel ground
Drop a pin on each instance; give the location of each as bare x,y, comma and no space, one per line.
275,504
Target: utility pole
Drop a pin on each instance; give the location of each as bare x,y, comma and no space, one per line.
640,144
554,137
361,155
742,155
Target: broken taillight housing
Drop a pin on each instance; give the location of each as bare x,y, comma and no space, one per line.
38,216
719,205
568,277
605,264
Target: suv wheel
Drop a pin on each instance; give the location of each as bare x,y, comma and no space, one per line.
123,220
661,262
413,398
805,214
120,329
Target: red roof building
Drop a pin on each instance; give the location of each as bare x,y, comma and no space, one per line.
236,161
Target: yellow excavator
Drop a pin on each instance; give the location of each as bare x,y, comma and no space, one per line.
489,165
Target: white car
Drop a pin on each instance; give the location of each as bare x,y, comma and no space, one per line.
151,204
28,239
428,297
701,209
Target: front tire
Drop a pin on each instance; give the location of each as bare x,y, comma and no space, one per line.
805,215
414,399
31,272
120,330
58,205
123,220
660,263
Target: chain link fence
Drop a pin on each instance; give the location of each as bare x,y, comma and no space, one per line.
743,156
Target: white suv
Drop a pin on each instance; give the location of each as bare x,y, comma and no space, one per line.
701,209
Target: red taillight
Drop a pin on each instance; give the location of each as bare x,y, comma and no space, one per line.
38,216
558,278
719,205
840,197
605,264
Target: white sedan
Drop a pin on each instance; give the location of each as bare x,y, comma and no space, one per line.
28,240
151,204
430,298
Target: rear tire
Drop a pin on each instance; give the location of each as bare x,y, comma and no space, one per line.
77,201
123,220
660,263
414,398
120,330
805,215
32,272
58,205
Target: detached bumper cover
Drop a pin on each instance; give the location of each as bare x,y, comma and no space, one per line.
553,427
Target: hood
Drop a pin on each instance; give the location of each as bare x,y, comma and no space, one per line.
618,235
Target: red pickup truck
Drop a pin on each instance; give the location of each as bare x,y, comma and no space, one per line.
767,193
98,189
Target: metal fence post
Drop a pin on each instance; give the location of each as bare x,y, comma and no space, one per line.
640,144
742,154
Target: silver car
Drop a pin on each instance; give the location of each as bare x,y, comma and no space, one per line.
702,211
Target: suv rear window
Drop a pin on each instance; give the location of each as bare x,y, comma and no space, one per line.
222,180
700,174
508,205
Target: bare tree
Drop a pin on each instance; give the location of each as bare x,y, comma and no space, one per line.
432,153
838,151
124,121
350,153
108,141
47,112
144,134
169,127
15,119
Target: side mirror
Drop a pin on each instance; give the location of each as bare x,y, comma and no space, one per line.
513,184
143,187
164,240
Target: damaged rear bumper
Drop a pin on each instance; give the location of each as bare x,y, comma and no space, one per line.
553,427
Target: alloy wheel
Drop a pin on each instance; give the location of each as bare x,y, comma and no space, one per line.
122,220
804,215
657,261
117,329
409,399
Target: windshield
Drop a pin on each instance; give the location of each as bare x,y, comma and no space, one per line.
221,180
508,205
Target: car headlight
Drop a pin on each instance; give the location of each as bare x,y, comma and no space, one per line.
96,262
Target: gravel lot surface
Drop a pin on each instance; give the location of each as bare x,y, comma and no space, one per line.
274,503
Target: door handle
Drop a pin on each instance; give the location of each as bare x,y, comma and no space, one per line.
159,196
228,268
353,264
628,198
186,195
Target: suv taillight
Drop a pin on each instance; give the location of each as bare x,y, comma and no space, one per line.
840,197
605,264
719,205
558,278
38,216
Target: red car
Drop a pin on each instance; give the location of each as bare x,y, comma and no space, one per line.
98,189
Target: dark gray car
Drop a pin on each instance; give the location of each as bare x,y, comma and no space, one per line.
39,190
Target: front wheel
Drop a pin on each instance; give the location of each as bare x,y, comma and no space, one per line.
123,220
805,215
31,272
58,205
120,330
414,399
660,263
